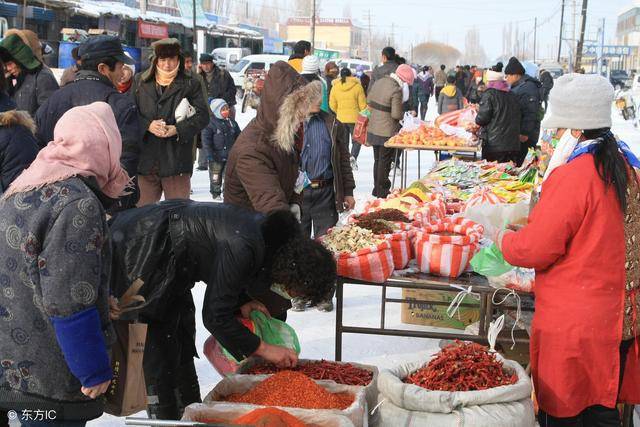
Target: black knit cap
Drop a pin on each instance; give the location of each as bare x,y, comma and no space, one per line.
514,67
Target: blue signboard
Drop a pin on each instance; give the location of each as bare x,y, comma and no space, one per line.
607,50
65,59
272,45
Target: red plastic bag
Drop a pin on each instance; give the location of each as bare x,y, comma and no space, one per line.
360,129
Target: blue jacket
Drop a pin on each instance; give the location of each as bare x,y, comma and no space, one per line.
218,138
18,145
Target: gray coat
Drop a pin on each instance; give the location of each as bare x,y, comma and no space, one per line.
385,103
33,90
54,265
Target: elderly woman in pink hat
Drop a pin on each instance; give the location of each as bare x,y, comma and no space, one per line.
55,268
385,100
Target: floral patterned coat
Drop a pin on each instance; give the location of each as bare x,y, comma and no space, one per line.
53,266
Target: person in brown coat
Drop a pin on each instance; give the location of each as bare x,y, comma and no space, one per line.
264,163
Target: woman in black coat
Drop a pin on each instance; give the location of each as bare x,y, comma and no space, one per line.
18,145
248,262
161,94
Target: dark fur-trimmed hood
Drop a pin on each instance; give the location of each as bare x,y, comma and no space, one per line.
15,118
285,103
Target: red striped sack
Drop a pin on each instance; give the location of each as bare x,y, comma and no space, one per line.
401,246
374,264
447,256
483,195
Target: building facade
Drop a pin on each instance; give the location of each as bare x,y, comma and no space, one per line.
339,34
628,34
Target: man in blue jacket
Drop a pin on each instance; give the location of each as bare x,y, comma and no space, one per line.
527,90
102,61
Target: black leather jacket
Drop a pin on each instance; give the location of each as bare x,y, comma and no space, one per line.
499,116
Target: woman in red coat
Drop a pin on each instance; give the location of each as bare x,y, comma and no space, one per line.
582,239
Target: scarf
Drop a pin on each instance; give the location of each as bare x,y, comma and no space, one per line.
90,150
164,78
123,87
403,85
590,146
500,85
450,90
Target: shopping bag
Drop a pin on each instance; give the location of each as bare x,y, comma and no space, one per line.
127,393
268,329
361,127
489,261
410,123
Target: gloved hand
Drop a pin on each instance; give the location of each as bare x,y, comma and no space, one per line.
295,210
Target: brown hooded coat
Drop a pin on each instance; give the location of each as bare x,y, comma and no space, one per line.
263,164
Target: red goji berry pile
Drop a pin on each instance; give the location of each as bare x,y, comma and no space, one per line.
462,367
293,390
342,373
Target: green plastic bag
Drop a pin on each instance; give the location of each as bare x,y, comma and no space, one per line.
490,262
272,331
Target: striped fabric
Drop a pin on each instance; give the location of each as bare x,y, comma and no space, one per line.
316,151
374,264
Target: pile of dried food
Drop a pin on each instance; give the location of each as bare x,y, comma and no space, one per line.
350,238
263,417
341,373
393,215
377,226
462,367
293,390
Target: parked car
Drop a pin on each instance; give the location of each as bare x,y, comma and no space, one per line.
619,78
352,64
252,62
227,57
553,68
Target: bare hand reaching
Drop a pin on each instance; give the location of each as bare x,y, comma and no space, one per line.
247,308
96,390
282,357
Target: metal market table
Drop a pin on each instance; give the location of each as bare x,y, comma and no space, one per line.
480,287
475,151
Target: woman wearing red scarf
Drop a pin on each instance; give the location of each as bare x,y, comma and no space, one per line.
582,241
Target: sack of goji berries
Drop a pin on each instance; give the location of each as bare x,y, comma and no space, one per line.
410,405
446,247
236,385
226,414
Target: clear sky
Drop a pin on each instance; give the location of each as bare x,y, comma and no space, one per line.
448,21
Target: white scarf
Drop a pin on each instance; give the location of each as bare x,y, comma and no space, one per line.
404,86
561,154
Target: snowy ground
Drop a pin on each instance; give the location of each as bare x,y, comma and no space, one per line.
315,329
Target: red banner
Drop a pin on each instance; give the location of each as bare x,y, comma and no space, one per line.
148,30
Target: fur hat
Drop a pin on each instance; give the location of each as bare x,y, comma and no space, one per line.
310,65
493,76
406,74
514,67
166,48
579,101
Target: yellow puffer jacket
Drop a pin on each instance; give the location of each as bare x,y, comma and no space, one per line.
347,99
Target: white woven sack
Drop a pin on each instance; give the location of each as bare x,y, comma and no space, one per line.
356,413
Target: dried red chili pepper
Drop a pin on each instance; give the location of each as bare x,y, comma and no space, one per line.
341,373
462,367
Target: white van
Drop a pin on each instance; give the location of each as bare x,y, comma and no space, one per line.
253,62
352,64
227,57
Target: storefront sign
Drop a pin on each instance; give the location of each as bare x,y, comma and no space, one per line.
147,30
326,54
272,45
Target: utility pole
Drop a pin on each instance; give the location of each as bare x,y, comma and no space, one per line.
601,50
313,24
535,37
581,39
561,32
393,34
195,32
368,18
573,28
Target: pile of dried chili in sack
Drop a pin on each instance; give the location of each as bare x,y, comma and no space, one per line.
393,215
341,373
292,390
462,367
262,417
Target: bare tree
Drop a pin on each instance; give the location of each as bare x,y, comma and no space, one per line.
431,53
305,7
473,51
346,11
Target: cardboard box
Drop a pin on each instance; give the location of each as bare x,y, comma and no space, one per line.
429,314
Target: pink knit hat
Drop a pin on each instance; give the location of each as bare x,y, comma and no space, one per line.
406,74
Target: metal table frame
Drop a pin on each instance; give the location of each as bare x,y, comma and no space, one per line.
423,282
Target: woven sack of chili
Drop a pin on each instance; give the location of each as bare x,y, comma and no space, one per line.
241,384
225,413
446,247
322,370
411,405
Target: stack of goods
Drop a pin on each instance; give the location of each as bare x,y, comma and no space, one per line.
446,247
463,381
359,253
427,136
416,202
462,367
293,390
